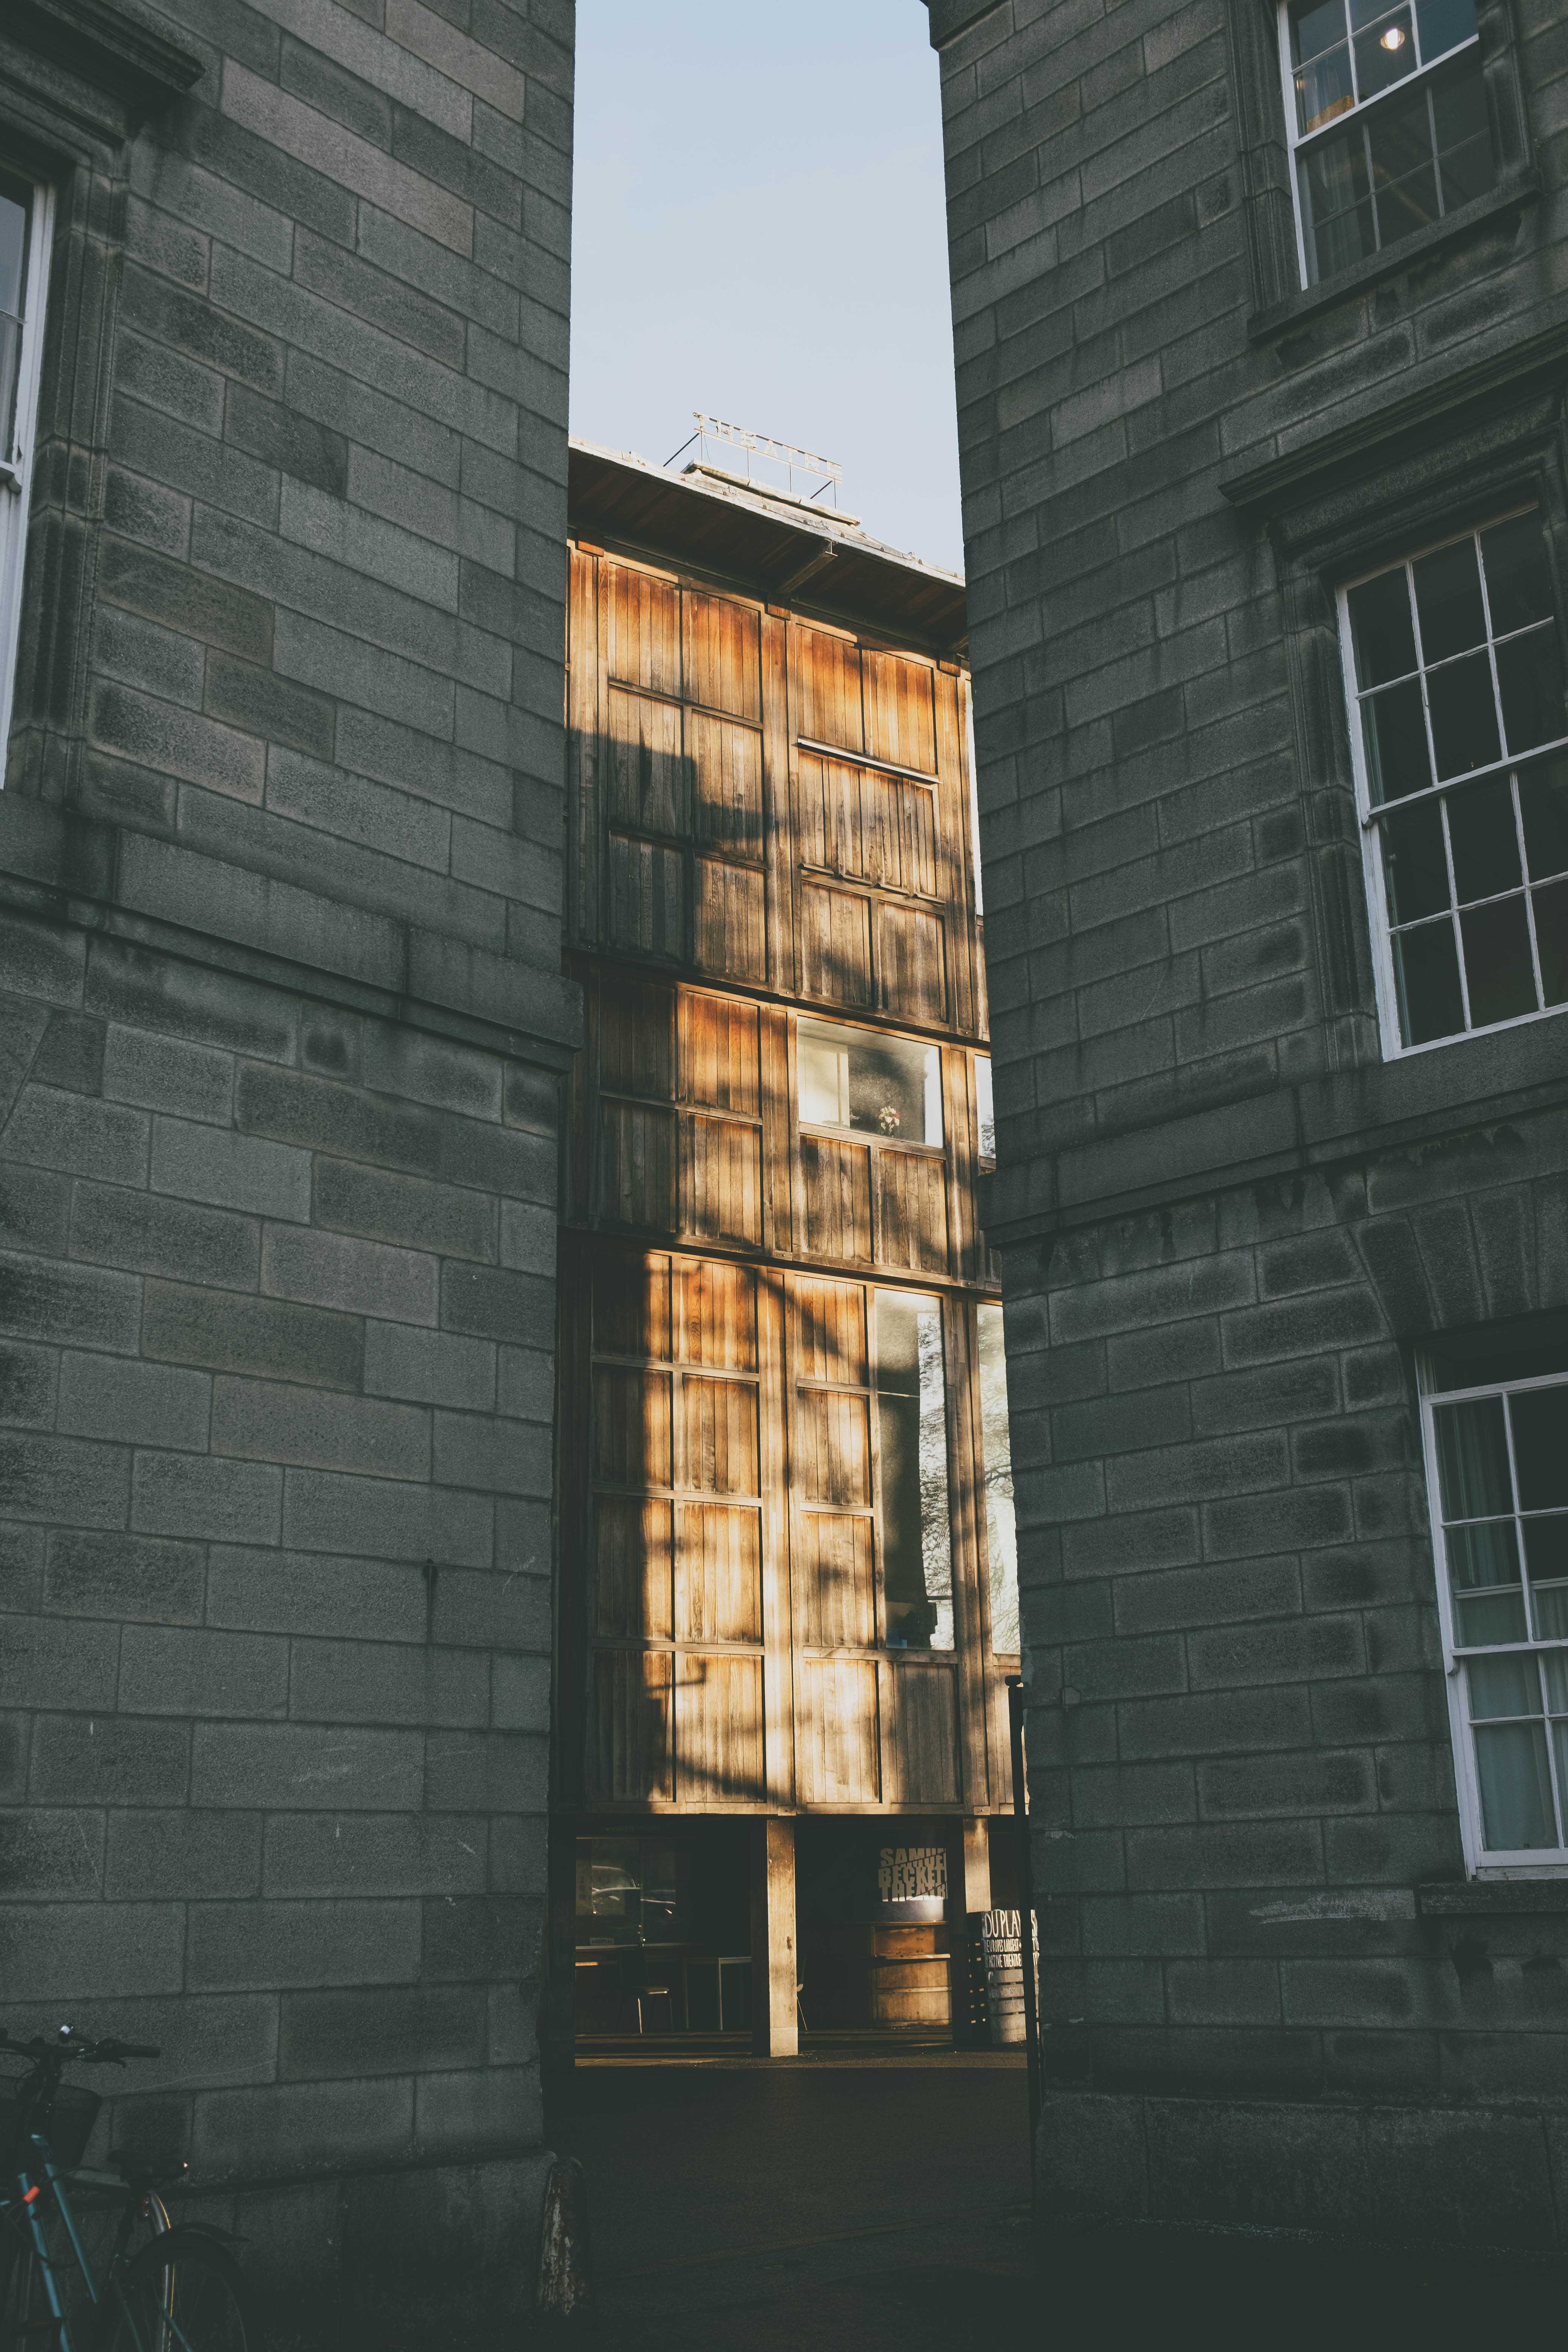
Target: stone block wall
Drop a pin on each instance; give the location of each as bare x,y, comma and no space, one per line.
282,1038
1226,1222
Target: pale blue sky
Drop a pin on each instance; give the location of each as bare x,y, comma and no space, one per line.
758,231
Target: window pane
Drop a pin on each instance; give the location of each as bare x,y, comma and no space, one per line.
1320,54
1464,719
1336,206
1519,584
1449,600
1551,911
1516,1786
1483,840
1473,1460
880,1086
1427,977
1395,739
12,271
916,1557
1499,972
984,1106
1415,870
1442,25
1546,1549
823,1071
1503,1687
1530,678
1483,1569
1555,1663
1544,804
1384,46
1001,1531
1540,1418
1380,629
1404,176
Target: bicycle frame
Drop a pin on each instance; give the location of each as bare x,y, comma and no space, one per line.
30,2196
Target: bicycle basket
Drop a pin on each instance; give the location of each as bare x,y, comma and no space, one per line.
68,2129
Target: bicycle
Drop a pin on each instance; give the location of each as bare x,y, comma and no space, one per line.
177,2290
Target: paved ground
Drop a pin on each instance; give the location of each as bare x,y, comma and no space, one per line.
813,2206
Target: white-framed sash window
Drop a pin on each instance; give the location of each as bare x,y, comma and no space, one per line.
1386,115
1496,1475
1459,735
26,216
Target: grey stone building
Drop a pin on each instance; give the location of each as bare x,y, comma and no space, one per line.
1261,319
283,294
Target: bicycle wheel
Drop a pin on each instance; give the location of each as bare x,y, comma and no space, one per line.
182,2293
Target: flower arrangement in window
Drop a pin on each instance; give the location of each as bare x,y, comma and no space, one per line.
888,1119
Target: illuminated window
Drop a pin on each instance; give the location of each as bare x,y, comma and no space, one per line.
1388,124
985,1108
997,1473
912,1435
873,1084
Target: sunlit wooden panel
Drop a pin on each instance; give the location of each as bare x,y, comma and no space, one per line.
637,1165
836,1183
900,716
835,944
642,629
827,690
719,1583
859,821
924,1733
829,1331
633,1589
832,1447
631,1426
729,941
726,770
647,773
629,1725
912,1200
648,897
719,1053
631,1305
716,1305
719,1436
718,1730
910,967
723,668
725,1192
836,1740
834,1582
637,1038
983,998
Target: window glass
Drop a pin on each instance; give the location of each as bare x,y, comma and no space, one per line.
879,1086
1456,681
912,1435
985,1109
631,1890
996,1470
15,211
1501,1512
1388,137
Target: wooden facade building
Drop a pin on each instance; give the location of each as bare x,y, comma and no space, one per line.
788,1585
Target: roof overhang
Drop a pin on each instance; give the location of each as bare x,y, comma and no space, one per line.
778,551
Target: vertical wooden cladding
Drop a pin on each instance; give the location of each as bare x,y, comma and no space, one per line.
829,1332
718,1730
835,1197
922,1733
715,1193
860,822
684,1566
837,1732
641,628
836,945
911,1205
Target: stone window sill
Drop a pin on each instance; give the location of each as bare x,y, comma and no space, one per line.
1519,189
1479,1898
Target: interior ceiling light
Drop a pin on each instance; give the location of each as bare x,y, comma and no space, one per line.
1393,38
